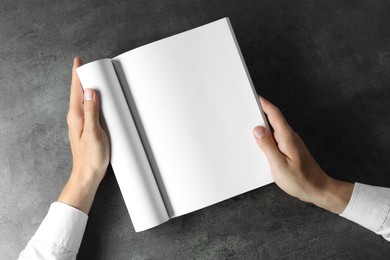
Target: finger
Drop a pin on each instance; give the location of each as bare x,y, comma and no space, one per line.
275,117
76,113
91,111
76,92
267,144
285,137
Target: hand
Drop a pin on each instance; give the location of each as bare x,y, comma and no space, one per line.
294,169
89,143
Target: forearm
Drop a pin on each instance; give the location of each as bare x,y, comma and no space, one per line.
59,236
369,207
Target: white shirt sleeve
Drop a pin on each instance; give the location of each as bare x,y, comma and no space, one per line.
369,207
59,235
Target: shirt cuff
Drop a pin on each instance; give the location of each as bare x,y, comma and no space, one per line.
63,226
369,206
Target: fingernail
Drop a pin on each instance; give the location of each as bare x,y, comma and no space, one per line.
88,94
259,132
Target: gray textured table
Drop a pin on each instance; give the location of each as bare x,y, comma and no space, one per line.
326,64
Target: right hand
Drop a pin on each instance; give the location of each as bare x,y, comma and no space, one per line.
294,169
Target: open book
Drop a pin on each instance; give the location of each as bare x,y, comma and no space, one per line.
180,114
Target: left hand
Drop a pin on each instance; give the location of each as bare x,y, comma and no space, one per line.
89,143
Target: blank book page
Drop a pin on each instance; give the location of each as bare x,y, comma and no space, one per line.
198,108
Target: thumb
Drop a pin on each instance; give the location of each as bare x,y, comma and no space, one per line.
91,110
266,142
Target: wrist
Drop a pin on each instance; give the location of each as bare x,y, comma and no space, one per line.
87,178
334,196
79,192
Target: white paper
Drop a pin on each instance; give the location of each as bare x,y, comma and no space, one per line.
198,108
128,158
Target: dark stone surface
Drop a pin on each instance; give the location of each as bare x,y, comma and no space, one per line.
326,64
